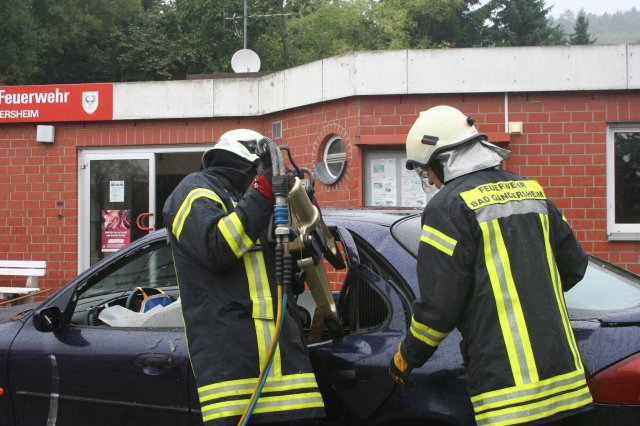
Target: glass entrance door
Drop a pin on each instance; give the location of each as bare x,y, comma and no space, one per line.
120,192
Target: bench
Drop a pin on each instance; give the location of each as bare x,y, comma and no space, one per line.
32,269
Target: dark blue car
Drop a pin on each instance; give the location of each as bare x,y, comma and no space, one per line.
90,355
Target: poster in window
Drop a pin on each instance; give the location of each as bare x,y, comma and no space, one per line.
116,229
116,191
383,182
412,193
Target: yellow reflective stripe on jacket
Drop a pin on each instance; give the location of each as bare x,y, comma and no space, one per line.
426,334
437,239
503,192
262,307
557,289
301,392
510,315
234,233
532,401
246,386
185,208
265,404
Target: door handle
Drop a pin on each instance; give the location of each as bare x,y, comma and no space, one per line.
153,364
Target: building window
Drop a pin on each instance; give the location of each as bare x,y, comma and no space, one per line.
623,183
276,130
333,162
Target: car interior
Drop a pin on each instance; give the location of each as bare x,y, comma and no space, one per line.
120,295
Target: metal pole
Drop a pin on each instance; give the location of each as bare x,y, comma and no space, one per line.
245,24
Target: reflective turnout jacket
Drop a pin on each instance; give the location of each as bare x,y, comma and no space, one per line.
225,272
494,260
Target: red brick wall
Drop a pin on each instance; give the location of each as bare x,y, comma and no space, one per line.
563,146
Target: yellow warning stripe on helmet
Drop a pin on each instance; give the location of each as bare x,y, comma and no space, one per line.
437,239
185,208
503,192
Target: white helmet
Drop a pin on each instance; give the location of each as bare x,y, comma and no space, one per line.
436,130
241,142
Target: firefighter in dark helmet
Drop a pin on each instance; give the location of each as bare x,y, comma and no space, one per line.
217,222
495,257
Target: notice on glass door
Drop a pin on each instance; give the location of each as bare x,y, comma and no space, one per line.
116,229
116,191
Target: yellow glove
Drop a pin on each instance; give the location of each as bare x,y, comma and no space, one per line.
400,370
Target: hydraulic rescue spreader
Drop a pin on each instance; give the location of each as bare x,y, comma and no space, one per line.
298,228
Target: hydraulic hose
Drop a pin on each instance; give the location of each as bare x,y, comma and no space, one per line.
283,270
262,379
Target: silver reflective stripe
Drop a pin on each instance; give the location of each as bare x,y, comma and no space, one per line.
265,404
497,211
508,306
294,381
537,410
576,379
231,388
185,208
237,235
426,334
259,286
557,284
437,239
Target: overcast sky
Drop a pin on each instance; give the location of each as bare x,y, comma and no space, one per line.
597,7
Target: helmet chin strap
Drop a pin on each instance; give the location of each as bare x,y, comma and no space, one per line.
438,170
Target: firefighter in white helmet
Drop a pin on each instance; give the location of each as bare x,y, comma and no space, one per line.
217,223
494,259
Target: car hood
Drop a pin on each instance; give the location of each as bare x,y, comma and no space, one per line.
15,313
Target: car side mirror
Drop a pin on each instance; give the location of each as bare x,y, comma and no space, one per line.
47,319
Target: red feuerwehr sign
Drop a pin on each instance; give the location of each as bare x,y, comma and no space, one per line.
56,102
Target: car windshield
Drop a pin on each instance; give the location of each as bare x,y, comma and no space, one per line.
604,288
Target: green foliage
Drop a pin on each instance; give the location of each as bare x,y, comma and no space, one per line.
416,24
581,31
21,42
616,28
151,47
332,29
78,33
77,41
523,23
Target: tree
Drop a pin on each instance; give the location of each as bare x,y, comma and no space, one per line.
522,23
152,46
410,24
581,31
330,30
78,36
21,42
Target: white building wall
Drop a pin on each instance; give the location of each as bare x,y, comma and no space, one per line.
402,72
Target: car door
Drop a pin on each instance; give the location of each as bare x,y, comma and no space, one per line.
88,373
352,369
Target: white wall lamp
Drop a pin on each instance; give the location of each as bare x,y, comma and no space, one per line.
515,127
45,134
